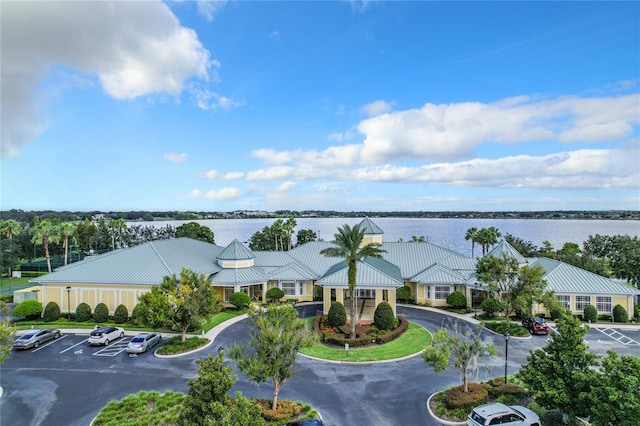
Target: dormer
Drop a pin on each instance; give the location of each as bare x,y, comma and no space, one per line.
372,232
235,256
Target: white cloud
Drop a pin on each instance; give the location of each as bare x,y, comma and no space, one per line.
176,158
134,48
214,174
210,8
224,194
209,100
376,108
286,186
196,193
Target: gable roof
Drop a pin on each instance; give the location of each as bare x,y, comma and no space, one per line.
145,264
239,276
438,274
564,278
371,272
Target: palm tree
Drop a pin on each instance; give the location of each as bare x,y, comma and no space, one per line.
288,228
472,234
348,243
9,228
67,229
46,231
117,225
277,228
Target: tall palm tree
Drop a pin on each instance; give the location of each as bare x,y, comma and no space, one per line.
288,228
66,230
116,226
348,243
472,234
46,231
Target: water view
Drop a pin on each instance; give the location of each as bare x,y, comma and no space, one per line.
448,233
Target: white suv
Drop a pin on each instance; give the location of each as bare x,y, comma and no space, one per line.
104,335
500,414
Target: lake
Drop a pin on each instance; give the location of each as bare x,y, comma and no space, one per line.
448,233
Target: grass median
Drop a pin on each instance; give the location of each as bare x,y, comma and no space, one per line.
411,342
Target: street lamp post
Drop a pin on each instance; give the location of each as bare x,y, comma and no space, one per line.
506,353
69,303
473,301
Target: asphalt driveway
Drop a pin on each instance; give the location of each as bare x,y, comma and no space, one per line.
67,383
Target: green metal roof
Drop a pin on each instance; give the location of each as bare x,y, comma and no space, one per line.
235,251
504,248
239,276
371,272
146,264
369,227
564,278
438,274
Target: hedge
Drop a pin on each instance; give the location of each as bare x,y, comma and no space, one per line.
101,313
83,312
395,333
121,314
29,308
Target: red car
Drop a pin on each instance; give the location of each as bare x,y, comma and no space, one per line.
535,325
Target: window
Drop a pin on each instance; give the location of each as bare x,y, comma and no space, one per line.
581,302
442,291
228,291
603,303
427,292
565,301
301,289
289,289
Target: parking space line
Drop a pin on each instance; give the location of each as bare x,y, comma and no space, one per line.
48,343
69,348
113,349
617,336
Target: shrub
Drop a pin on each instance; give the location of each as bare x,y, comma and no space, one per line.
383,316
51,312
318,292
403,294
83,312
135,314
403,325
121,314
457,300
240,299
636,311
101,313
620,314
457,398
274,294
557,313
31,309
590,313
490,306
337,315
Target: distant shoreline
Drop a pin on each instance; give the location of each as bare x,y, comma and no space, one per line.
147,216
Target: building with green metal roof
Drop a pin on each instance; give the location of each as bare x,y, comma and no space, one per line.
432,273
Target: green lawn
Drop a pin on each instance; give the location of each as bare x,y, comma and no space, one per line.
220,318
411,342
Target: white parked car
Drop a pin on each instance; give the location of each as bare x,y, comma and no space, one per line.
499,414
104,335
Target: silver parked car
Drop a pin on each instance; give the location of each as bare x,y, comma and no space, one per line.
497,414
104,335
143,342
34,338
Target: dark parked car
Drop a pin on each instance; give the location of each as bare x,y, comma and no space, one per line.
307,422
535,325
143,342
34,338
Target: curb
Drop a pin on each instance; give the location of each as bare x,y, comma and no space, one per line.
442,421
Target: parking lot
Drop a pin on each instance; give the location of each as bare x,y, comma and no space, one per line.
67,382
77,346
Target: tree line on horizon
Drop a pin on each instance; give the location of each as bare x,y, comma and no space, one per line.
611,256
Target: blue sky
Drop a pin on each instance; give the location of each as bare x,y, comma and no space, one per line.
220,106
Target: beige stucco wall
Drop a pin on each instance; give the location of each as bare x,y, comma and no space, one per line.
626,301
92,294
